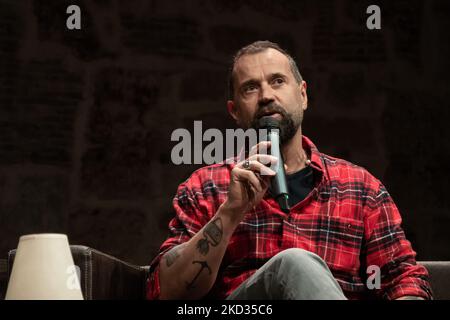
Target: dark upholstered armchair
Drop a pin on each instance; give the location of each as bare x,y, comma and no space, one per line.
106,277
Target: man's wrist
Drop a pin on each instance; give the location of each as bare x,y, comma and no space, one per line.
230,215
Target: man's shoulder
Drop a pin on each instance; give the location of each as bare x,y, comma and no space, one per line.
344,171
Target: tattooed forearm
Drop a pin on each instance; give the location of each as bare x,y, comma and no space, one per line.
172,255
203,265
212,236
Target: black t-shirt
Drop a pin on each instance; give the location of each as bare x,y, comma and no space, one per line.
300,184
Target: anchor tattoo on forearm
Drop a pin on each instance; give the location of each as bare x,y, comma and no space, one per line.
203,265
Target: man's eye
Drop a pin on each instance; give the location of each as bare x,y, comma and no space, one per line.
250,88
278,81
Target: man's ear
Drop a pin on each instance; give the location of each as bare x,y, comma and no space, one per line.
232,109
303,87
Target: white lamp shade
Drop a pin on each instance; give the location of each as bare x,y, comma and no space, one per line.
44,270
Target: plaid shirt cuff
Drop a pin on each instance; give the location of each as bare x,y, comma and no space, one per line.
418,288
153,286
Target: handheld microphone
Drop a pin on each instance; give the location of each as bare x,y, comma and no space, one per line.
278,182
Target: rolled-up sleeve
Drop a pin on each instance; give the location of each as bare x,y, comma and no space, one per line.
388,249
190,217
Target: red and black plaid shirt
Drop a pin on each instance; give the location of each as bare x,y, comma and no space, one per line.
349,219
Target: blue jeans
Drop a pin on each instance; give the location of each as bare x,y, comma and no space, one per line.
293,274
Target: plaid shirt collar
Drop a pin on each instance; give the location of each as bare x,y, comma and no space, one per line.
317,161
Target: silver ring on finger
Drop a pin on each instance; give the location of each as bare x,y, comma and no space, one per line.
246,164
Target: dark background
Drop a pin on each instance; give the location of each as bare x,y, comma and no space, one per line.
86,116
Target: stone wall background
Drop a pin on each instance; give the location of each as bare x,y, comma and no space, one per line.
86,116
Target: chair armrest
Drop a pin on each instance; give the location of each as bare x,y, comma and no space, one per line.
439,278
104,277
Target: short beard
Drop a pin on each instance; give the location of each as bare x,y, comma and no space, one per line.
288,124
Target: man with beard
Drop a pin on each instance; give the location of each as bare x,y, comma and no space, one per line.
229,238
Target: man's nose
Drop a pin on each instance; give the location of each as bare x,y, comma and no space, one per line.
266,95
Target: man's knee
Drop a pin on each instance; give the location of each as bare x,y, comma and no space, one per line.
296,258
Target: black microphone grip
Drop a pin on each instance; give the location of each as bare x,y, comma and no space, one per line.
278,183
